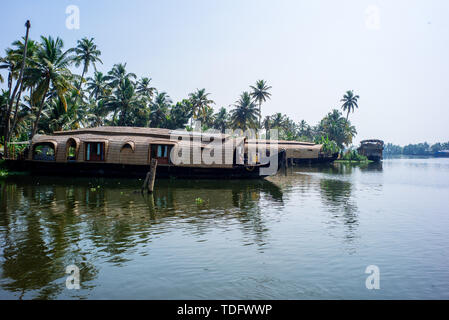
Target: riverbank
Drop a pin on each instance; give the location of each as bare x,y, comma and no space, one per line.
354,161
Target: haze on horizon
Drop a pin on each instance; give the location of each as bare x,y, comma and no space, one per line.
394,54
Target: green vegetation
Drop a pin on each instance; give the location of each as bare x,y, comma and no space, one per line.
353,156
330,147
419,149
44,93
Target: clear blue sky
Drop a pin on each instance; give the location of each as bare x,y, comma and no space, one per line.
311,52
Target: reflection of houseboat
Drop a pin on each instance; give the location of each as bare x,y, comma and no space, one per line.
372,149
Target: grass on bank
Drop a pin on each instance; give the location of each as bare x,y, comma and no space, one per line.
352,156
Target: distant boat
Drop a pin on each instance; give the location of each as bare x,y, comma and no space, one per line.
442,154
372,149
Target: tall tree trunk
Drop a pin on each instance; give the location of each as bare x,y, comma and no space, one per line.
6,131
36,122
80,85
16,110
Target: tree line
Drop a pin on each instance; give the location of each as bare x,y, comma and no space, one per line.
419,149
44,93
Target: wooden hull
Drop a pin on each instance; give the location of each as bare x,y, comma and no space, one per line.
126,170
319,160
372,153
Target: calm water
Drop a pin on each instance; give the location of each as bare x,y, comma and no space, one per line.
310,234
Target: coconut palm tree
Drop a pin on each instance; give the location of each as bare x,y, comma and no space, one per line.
16,54
124,101
349,102
245,114
97,86
337,128
221,120
50,70
267,124
145,89
159,109
86,53
260,94
98,113
200,101
207,118
17,89
118,74
278,120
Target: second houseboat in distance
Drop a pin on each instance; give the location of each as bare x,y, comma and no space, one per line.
372,149
127,151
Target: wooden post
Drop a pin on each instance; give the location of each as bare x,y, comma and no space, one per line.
285,160
152,177
145,182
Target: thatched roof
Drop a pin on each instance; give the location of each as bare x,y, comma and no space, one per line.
138,131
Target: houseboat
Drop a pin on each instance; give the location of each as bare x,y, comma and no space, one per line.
127,151
372,149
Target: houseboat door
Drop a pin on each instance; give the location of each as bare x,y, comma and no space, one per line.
161,152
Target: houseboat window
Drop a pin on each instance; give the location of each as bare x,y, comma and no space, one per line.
161,153
71,150
44,152
94,151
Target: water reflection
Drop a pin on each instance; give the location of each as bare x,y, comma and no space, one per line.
337,195
48,223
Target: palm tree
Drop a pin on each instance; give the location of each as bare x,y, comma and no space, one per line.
98,113
304,129
86,53
221,120
97,86
244,115
278,120
17,89
118,74
124,101
349,102
17,55
267,125
50,69
159,109
145,89
207,118
337,128
260,94
200,101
